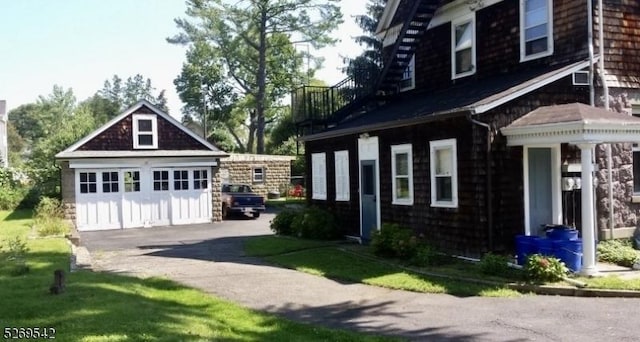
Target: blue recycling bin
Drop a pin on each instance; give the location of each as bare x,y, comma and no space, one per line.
525,246
569,252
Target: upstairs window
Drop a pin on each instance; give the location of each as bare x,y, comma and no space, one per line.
463,52
444,174
408,80
402,174
319,176
145,131
536,28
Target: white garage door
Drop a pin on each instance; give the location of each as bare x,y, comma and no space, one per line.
142,197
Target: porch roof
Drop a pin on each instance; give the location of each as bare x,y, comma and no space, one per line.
460,99
572,123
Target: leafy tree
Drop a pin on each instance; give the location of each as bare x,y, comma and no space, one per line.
136,88
371,58
16,145
254,40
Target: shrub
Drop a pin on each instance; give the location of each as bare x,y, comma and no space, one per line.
16,256
49,208
282,223
394,241
315,223
618,251
427,255
49,217
382,239
493,264
545,268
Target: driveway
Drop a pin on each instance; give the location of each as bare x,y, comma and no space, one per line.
210,257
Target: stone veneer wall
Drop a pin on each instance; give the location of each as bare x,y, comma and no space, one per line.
238,168
68,191
626,206
216,196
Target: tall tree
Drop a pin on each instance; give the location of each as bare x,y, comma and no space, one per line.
370,60
255,43
135,88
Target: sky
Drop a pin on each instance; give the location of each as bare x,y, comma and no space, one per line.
79,44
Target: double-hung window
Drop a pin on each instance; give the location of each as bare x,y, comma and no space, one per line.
408,80
145,131
319,176
444,174
402,174
536,28
258,174
342,175
463,50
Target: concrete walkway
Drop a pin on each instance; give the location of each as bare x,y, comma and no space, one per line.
210,257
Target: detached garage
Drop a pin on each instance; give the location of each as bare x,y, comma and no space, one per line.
141,169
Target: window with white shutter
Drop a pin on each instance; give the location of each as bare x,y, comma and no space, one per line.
319,176
342,175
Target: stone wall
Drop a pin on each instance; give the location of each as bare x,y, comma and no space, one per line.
626,208
68,191
216,196
239,168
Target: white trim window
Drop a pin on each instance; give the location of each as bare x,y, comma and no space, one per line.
257,174
145,131
402,174
180,180
342,175
444,173
536,29
463,47
200,179
110,181
88,182
319,176
408,80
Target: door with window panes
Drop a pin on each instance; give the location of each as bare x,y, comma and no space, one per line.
191,196
132,200
160,203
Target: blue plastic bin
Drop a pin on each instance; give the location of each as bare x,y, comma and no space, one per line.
545,247
569,252
562,233
525,246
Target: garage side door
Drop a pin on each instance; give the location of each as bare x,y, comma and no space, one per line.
191,196
98,199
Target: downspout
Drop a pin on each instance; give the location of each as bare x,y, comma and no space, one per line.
488,162
592,95
605,90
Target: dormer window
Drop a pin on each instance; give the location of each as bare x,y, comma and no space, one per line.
145,131
536,29
463,52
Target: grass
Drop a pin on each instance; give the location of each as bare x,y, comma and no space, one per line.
110,307
335,261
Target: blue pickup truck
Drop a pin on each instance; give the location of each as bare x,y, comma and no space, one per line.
240,199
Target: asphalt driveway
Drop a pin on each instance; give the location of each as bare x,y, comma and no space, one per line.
210,257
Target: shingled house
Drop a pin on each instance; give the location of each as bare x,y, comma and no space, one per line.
143,168
483,124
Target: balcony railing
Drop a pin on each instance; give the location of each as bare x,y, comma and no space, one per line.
324,106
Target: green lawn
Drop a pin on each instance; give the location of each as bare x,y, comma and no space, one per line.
109,307
335,261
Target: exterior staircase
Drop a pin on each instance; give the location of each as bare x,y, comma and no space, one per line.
317,108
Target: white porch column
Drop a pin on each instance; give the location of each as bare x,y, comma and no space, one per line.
588,236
